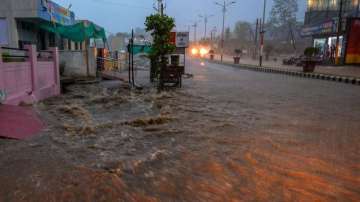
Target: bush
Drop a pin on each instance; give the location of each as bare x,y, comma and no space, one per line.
6,57
311,51
238,52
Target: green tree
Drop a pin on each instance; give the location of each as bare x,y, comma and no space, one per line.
227,34
283,13
160,27
283,23
242,31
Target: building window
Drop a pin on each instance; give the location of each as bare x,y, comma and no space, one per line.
4,37
323,5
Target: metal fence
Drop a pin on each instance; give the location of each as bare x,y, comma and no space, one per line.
14,54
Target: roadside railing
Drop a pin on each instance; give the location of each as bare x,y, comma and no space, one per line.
14,54
45,56
107,64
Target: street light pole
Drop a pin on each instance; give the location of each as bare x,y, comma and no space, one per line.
339,30
206,18
195,30
224,8
222,33
262,36
213,33
158,8
206,21
256,39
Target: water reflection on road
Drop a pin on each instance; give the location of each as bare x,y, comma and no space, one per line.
248,136
227,135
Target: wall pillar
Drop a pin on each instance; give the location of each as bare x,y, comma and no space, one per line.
33,63
13,37
2,85
2,81
55,55
92,61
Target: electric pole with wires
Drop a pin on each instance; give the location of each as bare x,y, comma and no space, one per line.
224,7
195,25
213,33
206,18
160,7
262,32
338,33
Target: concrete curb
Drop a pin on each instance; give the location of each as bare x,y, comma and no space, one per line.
319,76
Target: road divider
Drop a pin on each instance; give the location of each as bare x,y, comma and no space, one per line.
320,76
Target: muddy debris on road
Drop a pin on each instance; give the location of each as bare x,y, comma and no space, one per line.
118,144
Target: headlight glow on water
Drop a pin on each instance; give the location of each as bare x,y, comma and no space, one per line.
194,51
203,51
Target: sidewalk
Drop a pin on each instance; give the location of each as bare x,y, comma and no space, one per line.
347,71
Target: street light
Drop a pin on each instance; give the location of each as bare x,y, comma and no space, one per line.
206,18
262,36
224,6
160,7
213,33
195,25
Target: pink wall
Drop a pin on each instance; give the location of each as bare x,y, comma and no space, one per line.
32,80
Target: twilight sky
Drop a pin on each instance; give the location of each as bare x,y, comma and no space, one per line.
122,15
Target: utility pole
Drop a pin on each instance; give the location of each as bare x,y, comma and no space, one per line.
339,30
262,36
206,18
160,7
213,37
195,30
224,9
132,57
256,39
213,33
291,32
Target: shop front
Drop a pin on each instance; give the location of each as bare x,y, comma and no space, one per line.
327,46
19,26
324,37
352,53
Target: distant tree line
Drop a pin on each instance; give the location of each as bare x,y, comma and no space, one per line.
282,32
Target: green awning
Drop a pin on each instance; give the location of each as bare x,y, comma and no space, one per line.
78,32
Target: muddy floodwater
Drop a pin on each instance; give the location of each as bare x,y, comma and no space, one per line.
227,135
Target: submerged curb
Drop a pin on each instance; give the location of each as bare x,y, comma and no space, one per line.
319,76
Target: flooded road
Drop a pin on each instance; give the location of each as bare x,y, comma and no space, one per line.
228,135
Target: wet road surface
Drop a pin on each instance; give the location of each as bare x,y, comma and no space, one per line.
228,135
